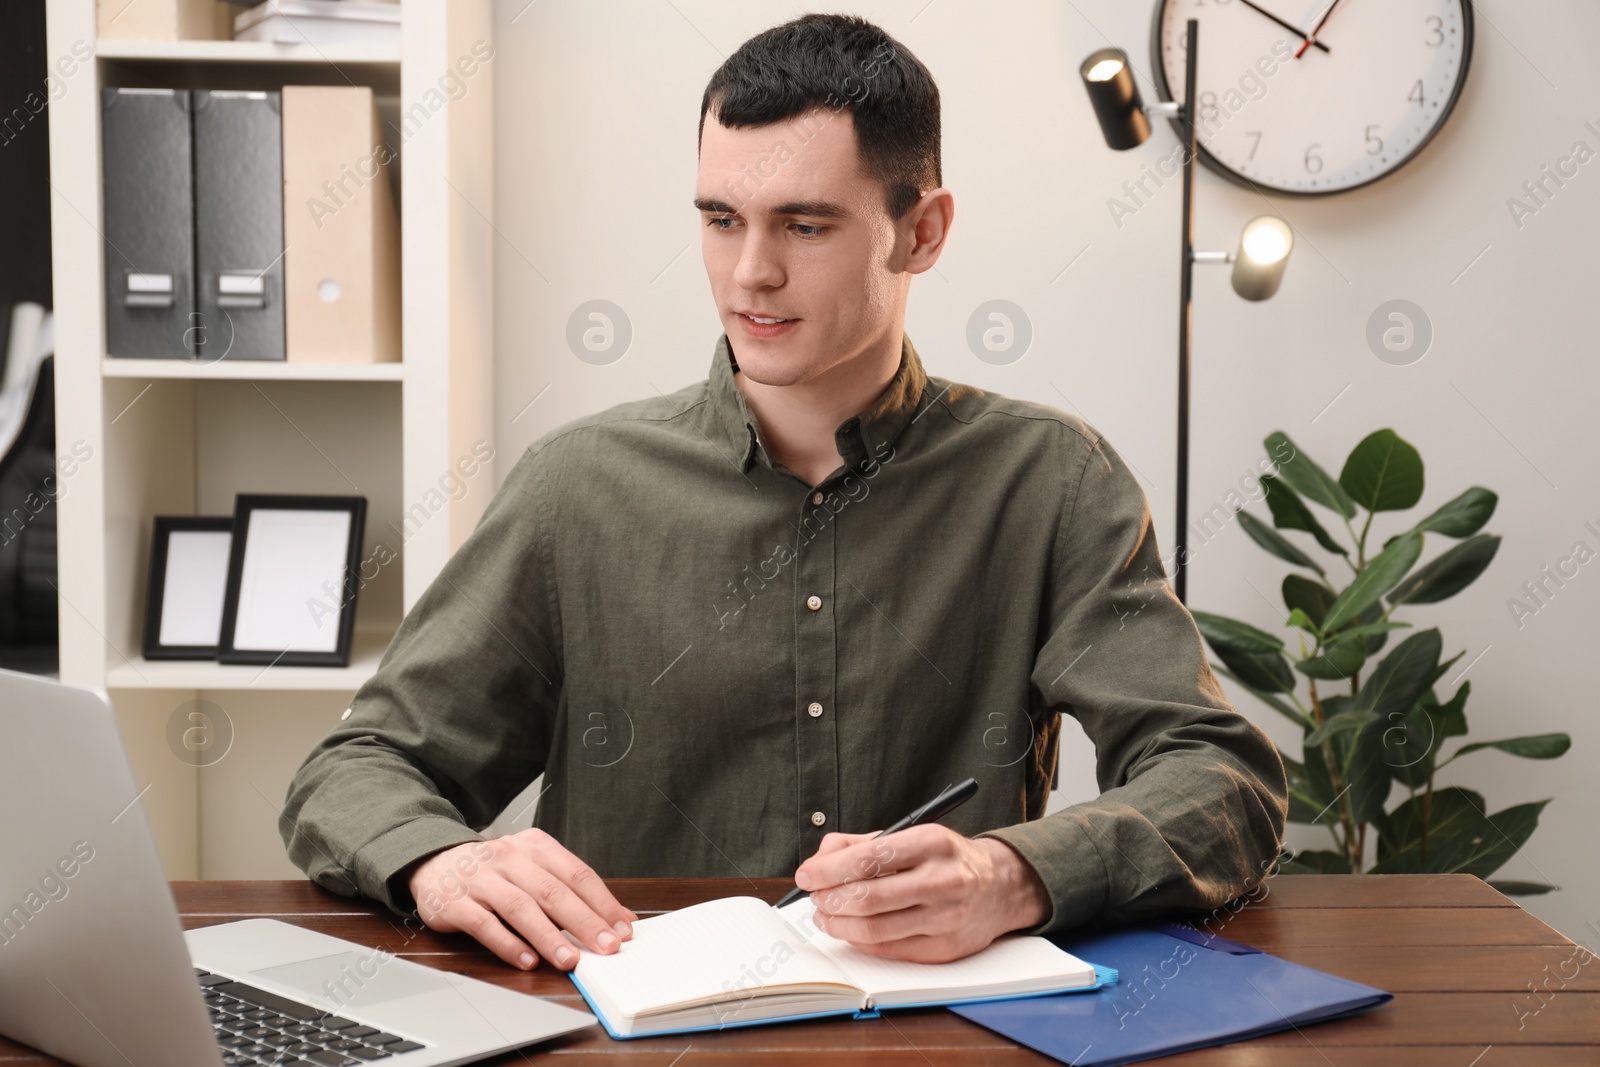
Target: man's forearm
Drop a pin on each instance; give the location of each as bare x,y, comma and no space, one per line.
1191,828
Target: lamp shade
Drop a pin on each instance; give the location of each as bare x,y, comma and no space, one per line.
1258,266
1109,82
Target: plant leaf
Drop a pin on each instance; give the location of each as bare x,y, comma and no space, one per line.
1305,802
1463,516
1448,573
1371,617
1301,473
1469,842
1402,676
1402,828
1383,473
1368,630
1342,723
1522,889
1289,512
1380,575
1275,542
1266,671
1442,668
1534,746
1335,663
1451,717
1310,597
1222,632
1298,618
1265,697
1411,745
1366,771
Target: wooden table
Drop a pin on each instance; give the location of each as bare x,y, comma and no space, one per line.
1460,958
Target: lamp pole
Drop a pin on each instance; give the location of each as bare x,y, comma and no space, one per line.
1185,308
1264,244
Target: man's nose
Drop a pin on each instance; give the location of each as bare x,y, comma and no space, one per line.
760,263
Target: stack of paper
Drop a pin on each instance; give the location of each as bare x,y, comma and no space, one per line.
321,22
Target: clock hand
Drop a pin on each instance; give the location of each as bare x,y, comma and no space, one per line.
1316,29
1292,29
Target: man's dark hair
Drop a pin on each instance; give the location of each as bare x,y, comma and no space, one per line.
839,61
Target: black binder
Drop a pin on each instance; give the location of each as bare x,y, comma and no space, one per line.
149,222
238,210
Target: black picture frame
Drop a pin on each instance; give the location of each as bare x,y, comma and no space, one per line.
156,608
257,614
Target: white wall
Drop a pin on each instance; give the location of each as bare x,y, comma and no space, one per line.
595,131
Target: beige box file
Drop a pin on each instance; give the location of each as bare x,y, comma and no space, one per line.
164,20
341,230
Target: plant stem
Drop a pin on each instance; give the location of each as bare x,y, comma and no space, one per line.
1357,541
1336,782
1427,809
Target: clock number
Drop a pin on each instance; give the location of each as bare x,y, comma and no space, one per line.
1313,161
1416,93
1257,135
1374,142
1208,107
1436,24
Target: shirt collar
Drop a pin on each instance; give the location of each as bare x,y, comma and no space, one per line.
860,438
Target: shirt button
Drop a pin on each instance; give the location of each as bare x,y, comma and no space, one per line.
816,498
814,602
814,709
817,818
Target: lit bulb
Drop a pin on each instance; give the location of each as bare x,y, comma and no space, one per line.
1258,266
1104,70
1266,243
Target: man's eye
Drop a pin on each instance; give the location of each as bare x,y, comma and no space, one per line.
806,230
715,221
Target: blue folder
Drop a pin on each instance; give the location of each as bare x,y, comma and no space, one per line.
1179,988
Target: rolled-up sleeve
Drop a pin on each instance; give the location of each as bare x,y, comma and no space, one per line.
1193,796
455,722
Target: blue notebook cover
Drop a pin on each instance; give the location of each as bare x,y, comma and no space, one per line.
1180,989
1104,976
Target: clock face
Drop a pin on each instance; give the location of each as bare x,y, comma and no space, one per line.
1335,117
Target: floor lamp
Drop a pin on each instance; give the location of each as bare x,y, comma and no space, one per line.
1264,243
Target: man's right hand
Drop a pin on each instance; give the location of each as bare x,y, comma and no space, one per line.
532,883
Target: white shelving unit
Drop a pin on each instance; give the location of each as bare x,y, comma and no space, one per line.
169,438
258,370
246,52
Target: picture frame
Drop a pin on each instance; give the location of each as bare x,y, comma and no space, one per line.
292,580
188,574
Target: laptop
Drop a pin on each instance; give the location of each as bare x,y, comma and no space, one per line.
96,969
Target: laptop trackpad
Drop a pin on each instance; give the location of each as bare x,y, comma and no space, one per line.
356,978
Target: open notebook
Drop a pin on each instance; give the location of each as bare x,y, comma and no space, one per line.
738,961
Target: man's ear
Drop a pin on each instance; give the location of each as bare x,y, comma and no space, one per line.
923,229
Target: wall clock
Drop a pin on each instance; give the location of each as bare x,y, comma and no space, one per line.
1276,113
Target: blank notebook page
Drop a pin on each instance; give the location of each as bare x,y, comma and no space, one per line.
1007,960
702,951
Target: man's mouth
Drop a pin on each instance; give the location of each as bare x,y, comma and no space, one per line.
765,320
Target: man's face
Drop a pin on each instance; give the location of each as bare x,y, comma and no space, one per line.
793,230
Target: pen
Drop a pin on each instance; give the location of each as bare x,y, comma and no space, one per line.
948,800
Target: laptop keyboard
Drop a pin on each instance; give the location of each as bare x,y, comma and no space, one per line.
257,1027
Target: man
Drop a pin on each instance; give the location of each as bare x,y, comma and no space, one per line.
799,598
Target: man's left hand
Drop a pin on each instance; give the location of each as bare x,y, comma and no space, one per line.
924,894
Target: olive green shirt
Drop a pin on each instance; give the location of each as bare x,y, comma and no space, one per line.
715,664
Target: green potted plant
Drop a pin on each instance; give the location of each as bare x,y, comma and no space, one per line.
1363,734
